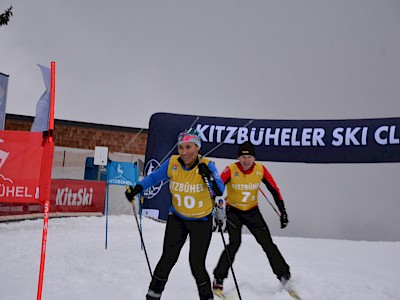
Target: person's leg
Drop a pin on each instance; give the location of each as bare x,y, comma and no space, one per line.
234,226
200,236
174,239
258,227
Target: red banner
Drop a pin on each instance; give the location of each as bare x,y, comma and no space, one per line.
67,198
77,196
21,155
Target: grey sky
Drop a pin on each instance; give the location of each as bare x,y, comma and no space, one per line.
118,62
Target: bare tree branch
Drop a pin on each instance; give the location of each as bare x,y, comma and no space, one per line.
5,17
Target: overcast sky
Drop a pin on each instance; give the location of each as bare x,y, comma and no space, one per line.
118,62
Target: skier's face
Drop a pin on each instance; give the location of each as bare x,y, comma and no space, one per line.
246,161
188,153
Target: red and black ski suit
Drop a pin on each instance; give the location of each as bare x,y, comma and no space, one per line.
252,219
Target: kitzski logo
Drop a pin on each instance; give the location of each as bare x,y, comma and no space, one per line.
67,196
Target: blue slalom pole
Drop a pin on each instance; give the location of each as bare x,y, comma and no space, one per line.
106,209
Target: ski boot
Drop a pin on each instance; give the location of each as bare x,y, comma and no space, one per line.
152,295
218,284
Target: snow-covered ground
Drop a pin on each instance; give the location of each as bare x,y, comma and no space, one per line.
79,267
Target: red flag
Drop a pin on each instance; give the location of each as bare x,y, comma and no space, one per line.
21,156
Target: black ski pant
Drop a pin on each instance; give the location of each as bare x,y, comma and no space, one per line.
176,232
254,221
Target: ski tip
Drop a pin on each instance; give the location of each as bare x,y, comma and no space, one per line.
219,294
294,295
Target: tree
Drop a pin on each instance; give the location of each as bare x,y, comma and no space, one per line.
5,17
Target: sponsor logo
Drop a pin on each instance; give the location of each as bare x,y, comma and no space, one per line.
69,197
246,187
301,136
150,167
7,187
119,179
3,158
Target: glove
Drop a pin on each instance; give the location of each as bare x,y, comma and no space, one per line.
131,191
284,219
204,171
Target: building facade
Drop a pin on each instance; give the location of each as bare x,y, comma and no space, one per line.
83,135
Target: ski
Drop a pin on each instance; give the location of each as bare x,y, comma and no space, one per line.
293,294
218,293
222,296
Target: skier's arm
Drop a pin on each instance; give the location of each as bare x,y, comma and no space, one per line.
272,187
161,174
150,180
274,190
217,185
226,175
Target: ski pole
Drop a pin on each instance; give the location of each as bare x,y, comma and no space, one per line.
223,238
141,237
279,215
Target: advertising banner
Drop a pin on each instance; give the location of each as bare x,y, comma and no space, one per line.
122,173
67,198
77,196
297,141
21,155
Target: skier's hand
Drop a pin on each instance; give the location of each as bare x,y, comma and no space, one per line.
131,191
204,171
284,219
